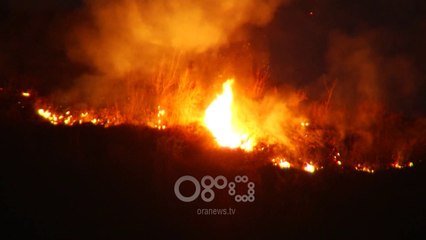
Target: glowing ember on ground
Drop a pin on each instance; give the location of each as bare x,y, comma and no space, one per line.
160,116
397,165
401,165
363,168
44,113
281,162
309,168
222,121
70,119
219,119
26,94
284,164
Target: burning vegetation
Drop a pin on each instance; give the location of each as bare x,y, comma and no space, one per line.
309,147
166,64
105,104
220,120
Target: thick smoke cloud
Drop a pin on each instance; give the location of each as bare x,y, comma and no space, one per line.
123,36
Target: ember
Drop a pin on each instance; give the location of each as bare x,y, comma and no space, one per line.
70,119
309,168
26,94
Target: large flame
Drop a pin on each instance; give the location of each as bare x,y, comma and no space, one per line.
221,122
224,119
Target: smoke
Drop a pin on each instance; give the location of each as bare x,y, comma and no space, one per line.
356,69
371,98
142,54
118,37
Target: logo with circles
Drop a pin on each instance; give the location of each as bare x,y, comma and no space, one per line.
205,188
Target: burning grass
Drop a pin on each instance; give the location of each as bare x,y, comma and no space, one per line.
266,126
309,146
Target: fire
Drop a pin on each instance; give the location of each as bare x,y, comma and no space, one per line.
304,124
70,119
281,163
221,119
363,168
160,122
284,164
221,122
26,94
401,165
309,168
44,113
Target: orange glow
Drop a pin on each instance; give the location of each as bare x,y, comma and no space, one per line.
26,94
44,113
220,120
304,124
223,119
400,165
363,168
397,165
281,163
68,118
309,168
284,164
160,119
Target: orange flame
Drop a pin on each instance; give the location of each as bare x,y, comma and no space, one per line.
221,122
309,168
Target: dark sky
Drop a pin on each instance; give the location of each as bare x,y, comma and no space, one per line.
33,54
303,38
